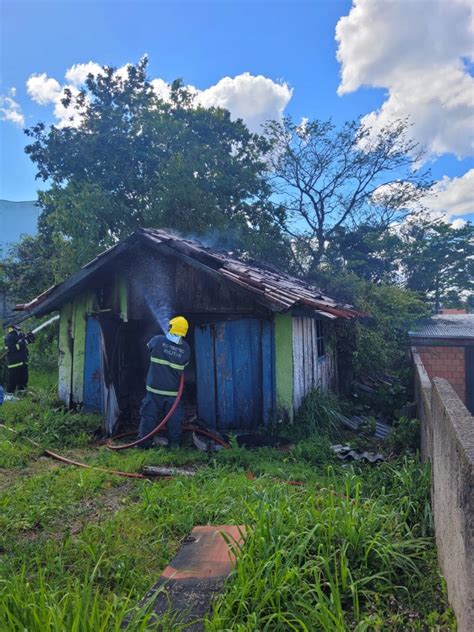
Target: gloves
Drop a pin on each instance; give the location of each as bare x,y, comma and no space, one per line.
30,337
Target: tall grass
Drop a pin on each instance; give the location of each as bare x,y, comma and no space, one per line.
326,565
352,549
74,607
318,414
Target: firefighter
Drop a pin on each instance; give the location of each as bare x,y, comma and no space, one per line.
16,344
169,355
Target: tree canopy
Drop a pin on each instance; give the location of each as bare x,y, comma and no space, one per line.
326,178
131,159
438,260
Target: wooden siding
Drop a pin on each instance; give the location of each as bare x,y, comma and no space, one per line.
122,291
309,370
198,292
284,362
234,368
79,337
93,396
65,344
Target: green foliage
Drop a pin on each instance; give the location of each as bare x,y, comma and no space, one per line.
138,161
332,563
351,549
438,260
379,342
382,342
42,418
318,414
28,269
370,252
405,436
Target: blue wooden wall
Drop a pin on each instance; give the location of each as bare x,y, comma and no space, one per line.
93,401
235,373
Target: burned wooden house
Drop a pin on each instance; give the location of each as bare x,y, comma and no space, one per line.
259,338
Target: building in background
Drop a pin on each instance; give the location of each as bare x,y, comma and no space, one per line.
445,345
17,219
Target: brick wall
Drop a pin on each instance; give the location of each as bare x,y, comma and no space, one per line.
446,362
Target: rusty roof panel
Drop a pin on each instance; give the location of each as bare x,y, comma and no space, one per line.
277,290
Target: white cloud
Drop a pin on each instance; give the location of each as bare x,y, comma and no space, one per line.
453,197
10,110
77,74
46,90
43,89
255,99
161,88
415,49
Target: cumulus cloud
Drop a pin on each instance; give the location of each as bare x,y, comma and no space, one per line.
46,90
417,50
43,89
77,74
255,99
161,88
452,198
10,110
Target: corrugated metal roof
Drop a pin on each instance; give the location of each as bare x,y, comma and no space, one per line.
445,326
276,290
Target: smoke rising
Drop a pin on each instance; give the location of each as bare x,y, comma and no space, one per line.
152,280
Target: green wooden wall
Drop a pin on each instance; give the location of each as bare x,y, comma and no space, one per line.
284,363
65,354
72,339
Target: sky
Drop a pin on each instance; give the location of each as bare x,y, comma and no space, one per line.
373,60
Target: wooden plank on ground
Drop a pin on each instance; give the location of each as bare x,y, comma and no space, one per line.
197,574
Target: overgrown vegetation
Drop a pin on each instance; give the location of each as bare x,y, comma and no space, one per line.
350,549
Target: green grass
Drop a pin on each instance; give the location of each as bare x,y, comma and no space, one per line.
351,550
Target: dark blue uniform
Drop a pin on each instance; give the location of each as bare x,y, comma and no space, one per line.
17,361
167,363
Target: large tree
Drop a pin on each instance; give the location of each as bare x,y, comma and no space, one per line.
130,159
327,178
438,260
370,252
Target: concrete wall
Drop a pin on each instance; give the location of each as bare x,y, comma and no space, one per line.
448,441
447,362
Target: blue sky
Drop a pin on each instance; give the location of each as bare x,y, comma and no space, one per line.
290,43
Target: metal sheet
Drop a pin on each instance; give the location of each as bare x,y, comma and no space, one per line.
93,368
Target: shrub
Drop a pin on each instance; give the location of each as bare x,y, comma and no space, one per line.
318,414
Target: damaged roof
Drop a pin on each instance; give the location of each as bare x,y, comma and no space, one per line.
277,291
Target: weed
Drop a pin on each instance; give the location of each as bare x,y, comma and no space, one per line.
405,436
351,549
318,414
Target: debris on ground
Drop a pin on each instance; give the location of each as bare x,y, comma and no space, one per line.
347,453
197,574
153,470
373,383
245,440
381,429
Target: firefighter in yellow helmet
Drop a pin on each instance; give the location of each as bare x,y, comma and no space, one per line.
169,354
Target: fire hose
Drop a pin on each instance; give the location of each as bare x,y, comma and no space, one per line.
162,425
159,427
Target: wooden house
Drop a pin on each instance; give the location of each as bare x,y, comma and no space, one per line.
259,338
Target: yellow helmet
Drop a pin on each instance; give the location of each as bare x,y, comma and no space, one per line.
179,326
